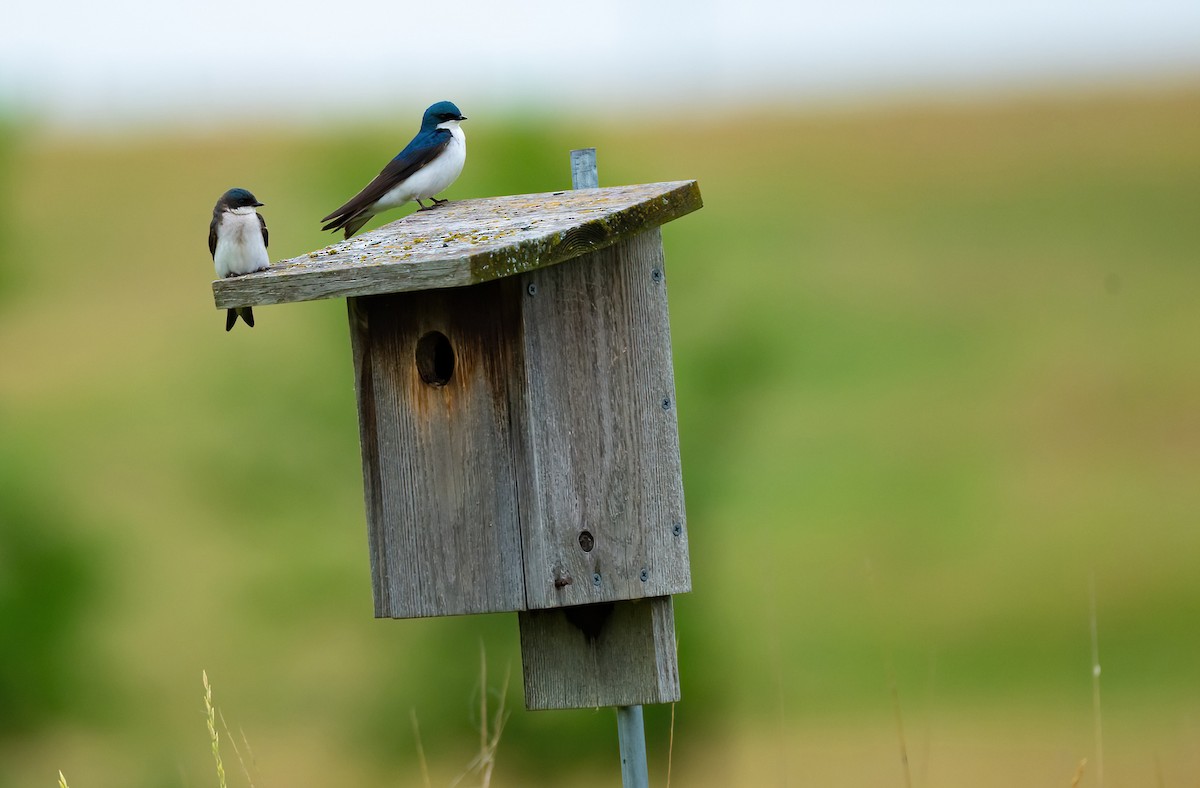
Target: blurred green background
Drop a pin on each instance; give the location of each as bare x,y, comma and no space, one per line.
938,364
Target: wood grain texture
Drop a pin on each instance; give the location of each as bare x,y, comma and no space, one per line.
439,482
626,658
599,414
465,242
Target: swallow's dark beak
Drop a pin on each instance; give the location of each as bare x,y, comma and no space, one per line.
258,204
462,117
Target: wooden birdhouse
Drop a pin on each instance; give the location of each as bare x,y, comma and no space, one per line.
517,415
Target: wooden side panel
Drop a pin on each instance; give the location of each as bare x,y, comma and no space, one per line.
602,493
439,486
611,654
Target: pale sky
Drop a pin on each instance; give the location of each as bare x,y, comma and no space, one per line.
129,61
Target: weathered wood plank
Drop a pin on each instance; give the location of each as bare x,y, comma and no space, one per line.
465,242
435,428
612,654
602,505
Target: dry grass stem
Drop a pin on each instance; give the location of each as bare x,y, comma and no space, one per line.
1078,773
249,751
488,754
671,745
212,729
420,749
236,751
899,723
489,741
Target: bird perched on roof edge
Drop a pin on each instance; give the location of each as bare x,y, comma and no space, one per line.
427,165
237,240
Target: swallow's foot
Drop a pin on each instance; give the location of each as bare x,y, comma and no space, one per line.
232,274
437,202
425,207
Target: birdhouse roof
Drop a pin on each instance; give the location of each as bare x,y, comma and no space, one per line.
465,242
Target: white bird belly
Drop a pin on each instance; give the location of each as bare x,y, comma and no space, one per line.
433,178
240,247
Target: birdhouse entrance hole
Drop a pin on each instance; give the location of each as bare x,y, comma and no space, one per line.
435,358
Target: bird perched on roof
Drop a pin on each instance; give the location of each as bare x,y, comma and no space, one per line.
427,165
237,240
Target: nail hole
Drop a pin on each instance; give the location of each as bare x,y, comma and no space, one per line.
435,359
586,541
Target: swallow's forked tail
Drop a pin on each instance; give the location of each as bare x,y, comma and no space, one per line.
231,316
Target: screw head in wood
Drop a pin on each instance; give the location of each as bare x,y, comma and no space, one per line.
596,580
666,403
531,288
645,575
656,275
677,528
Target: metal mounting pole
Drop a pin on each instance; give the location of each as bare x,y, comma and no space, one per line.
584,174
631,729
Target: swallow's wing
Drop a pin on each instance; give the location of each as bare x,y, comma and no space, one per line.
416,155
212,237
263,222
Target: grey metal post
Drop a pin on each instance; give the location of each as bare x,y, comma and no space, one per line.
584,174
631,732
631,729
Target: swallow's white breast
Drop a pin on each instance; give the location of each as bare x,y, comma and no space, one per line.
240,247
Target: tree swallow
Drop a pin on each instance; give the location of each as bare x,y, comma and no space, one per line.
426,166
237,239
